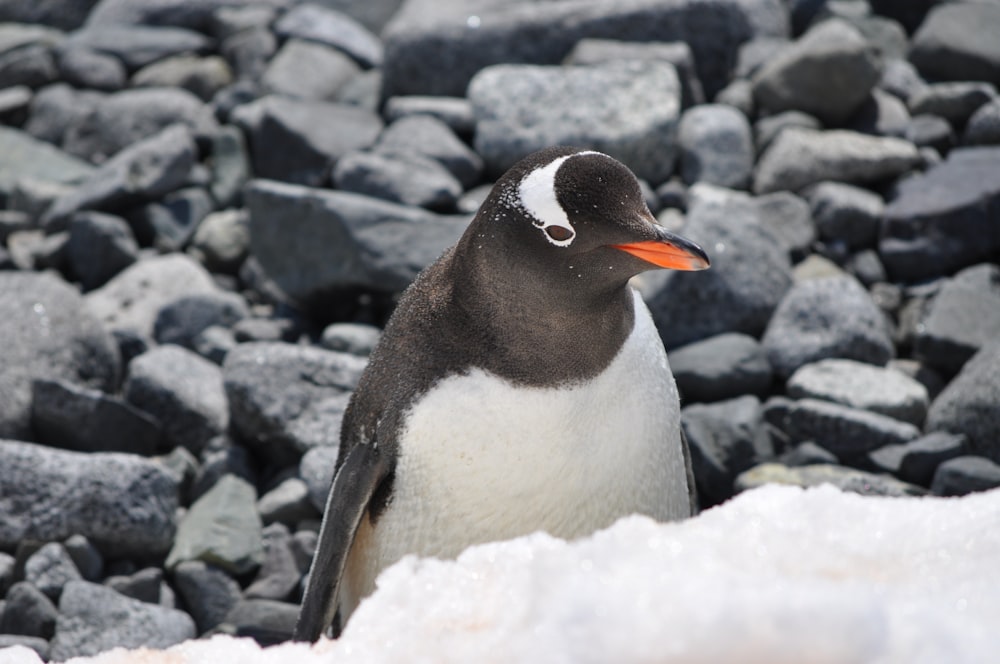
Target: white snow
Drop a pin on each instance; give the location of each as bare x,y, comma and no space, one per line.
778,574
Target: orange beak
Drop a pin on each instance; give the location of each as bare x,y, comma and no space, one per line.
670,251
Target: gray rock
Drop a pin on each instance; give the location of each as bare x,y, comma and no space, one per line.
407,178
7,574
970,404
917,460
901,79
455,112
315,242
248,52
208,592
799,157
957,42
434,47
279,574
181,321
354,338
123,503
222,528
230,165
36,643
14,102
716,146
309,71
430,137
138,45
828,73
28,612
721,367
183,390
169,223
132,300
83,67
372,15
807,454
868,269
299,140
846,213
881,114
47,332
930,131
965,474
143,585
222,457
55,108
99,247
843,430
145,170
316,470
94,618
22,157
955,101
628,110
287,503
32,65
70,416
739,95
196,16
62,14
222,240
286,399
984,125
859,385
944,219
750,273
15,33
825,318
962,318
755,53
725,438
85,556
845,479
214,343
266,621
326,25
790,221
202,77
767,128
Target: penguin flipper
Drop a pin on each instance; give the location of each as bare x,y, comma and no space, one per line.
364,469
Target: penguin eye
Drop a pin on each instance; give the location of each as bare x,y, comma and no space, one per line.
558,233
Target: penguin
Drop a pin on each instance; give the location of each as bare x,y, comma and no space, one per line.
520,385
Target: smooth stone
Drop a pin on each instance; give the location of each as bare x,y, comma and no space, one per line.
208,592
144,585
957,42
326,25
99,247
901,79
970,404
222,240
86,68
721,367
287,503
307,70
354,338
766,129
28,612
85,556
32,65
23,157
432,138
807,454
716,146
845,479
316,470
965,474
201,76
455,112
917,460
138,45
266,621
954,102
790,221
222,456
406,178
983,127
230,166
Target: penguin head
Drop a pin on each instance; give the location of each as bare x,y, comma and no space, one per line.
580,215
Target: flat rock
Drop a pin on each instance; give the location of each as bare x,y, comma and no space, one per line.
750,273
767,128
208,592
716,146
355,338
308,70
326,25
48,333
846,213
954,206
99,247
965,474
286,399
196,16
970,404
860,385
94,618
828,72
316,242
138,45
407,178
31,65
721,367
628,110
221,528
917,460
957,42
952,101
299,140
266,621
433,138
845,479
800,157
825,318
23,157
70,416
84,67
843,430
123,503
455,112
201,76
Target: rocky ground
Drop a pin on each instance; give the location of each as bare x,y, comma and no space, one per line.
209,207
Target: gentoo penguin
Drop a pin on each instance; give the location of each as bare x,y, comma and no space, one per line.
520,385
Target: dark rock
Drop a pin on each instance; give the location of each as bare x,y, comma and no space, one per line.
99,247
73,417
85,68
219,458
828,73
48,333
33,66
400,177
881,114
28,613
14,102
916,461
799,157
249,52
843,430
328,26
93,618
432,47
316,470
523,108
286,399
221,528
846,213
807,454
183,390
455,112
86,557
145,170
22,156
970,404
945,218
354,338
62,14
169,223
299,140
955,102
750,273
143,585
930,131
725,438
716,146
430,137
138,45
208,592
123,503
56,108
181,321
202,77
983,127
304,548
267,621
279,575
957,42
845,479
885,35
309,71
315,242
867,268
287,503
721,367
965,474
824,318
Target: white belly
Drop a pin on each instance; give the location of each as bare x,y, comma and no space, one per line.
482,460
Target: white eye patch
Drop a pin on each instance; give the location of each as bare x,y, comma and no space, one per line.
537,192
